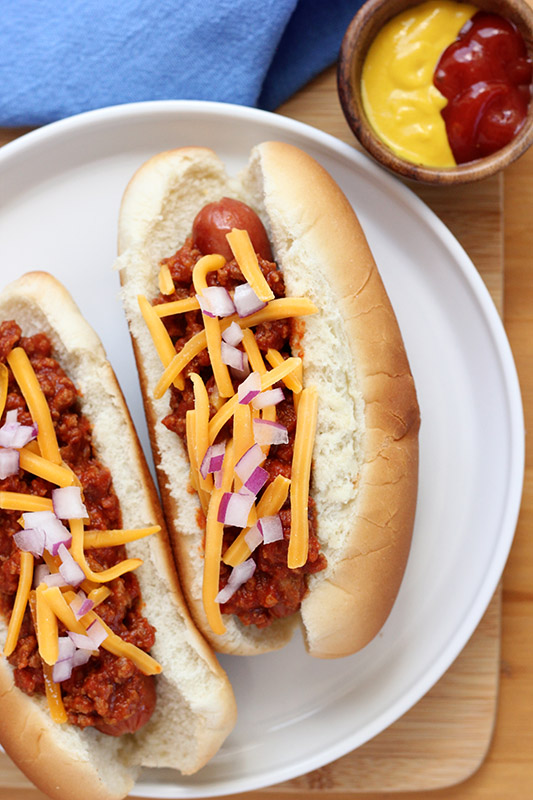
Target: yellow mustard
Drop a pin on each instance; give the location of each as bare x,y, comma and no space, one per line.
401,102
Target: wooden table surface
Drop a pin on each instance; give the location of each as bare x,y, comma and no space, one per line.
507,771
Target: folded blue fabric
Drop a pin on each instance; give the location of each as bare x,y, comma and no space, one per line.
61,57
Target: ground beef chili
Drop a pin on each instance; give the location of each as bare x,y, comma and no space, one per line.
274,591
109,692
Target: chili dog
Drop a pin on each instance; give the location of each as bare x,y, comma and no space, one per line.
263,334
97,642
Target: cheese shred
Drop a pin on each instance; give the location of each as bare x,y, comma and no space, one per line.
301,473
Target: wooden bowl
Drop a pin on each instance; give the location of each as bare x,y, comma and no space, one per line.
357,40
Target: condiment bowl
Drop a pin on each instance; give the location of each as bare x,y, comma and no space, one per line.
372,16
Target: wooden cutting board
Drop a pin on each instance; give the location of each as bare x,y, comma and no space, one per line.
445,737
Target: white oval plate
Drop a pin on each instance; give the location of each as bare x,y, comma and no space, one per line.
60,189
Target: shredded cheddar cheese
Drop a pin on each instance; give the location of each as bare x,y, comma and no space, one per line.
36,401
76,549
242,249
301,472
214,532
213,333
190,433
201,420
112,538
271,502
226,411
43,468
166,284
177,307
291,381
4,379
21,601
279,308
46,628
162,341
18,501
51,688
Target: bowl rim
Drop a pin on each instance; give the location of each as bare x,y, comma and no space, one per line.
363,28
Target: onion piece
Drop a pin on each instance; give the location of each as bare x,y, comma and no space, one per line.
253,538
268,432
70,570
41,572
213,459
238,576
97,633
246,301
82,641
233,357
13,434
66,648
54,530
217,302
62,670
55,579
30,540
271,528
256,481
68,503
81,657
81,604
9,462
235,508
251,459
249,388
233,335
270,397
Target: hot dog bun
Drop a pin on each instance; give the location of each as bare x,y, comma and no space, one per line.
195,707
365,459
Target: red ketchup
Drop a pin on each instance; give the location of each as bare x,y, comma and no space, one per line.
486,77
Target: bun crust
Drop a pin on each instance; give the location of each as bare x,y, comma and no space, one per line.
365,458
195,709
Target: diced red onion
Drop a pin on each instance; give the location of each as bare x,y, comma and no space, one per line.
217,302
41,572
213,459
238,576
9,462
81,657
68,504
66,647
217,479
235,508
82,641
233,334
233,357
205,306
268,432
240,374
70,570
256,481
81,604
54,530
56,579
249,388
246,301
270,397
253,538
97,633
31,540
62,671
271,528
13,434
251,459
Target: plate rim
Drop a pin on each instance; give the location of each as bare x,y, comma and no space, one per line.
500,347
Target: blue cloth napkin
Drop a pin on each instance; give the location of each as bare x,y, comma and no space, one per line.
61,57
